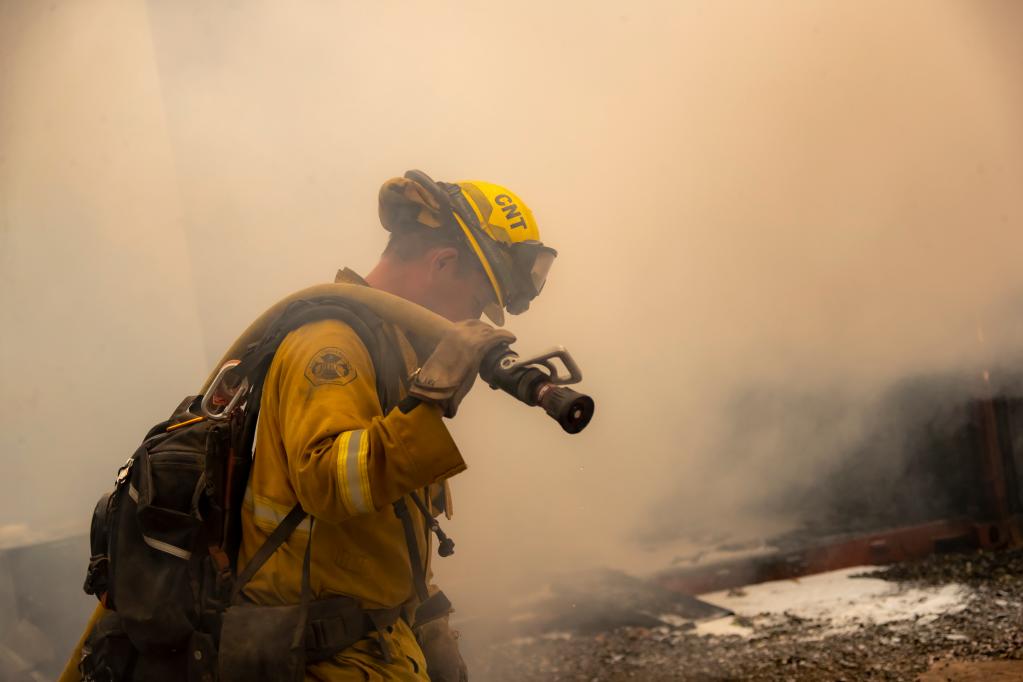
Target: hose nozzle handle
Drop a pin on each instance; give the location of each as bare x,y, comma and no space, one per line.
528,383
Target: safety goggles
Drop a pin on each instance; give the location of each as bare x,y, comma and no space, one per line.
520,268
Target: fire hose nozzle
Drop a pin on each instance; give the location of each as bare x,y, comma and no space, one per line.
537,381
571,409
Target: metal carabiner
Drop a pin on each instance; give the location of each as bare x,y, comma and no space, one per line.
206,406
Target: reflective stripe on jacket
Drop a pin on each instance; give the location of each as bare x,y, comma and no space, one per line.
322,441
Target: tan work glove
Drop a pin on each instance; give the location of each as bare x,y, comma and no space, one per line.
449,373
440,649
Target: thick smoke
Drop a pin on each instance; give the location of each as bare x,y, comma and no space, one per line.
763,210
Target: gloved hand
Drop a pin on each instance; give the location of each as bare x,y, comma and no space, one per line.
440,649
449,373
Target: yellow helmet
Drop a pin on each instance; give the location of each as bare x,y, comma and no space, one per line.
501,213
500,230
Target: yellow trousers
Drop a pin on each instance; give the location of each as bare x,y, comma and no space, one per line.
362,662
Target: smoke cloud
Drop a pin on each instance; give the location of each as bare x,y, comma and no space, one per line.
762,211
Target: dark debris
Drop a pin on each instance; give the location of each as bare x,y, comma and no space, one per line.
990,628
976,569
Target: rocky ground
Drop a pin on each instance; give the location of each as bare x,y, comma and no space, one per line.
788,647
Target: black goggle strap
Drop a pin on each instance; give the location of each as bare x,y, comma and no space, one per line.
516,271
521,278
449,195
460,206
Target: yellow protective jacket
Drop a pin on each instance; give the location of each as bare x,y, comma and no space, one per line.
321,440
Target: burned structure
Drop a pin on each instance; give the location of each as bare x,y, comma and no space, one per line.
941,472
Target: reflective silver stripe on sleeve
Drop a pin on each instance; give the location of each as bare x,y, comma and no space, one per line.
353,470
266,513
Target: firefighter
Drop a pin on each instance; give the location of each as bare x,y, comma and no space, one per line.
322,440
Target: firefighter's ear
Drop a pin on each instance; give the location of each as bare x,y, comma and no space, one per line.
444,262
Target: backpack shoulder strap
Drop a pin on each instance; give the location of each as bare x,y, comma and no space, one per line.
255,363
277,538
375,335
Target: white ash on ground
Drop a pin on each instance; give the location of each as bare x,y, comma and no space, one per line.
888,624
844,600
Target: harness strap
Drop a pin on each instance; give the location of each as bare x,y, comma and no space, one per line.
336,623
256,363
437,606
418,569
277,538
298,637
387,359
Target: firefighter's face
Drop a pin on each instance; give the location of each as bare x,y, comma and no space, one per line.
454,289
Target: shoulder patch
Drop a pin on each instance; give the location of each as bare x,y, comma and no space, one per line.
330,366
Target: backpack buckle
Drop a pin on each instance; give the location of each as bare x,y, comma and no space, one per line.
220,393
123,472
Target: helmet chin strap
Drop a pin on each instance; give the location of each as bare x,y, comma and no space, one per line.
511,293
495,314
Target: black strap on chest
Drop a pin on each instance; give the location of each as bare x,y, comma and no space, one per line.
415,559
381,343
279,535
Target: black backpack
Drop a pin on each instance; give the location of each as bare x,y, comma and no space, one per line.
165,541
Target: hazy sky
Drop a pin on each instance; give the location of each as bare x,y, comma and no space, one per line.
802,195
